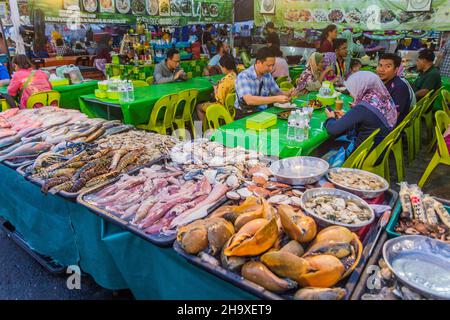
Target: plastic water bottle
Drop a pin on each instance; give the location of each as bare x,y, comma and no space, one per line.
123,92
290,134
130,91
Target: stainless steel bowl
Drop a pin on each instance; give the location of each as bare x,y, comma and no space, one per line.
366,194
421,263
322,222
299,170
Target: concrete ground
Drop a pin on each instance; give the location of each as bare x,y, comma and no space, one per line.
21,277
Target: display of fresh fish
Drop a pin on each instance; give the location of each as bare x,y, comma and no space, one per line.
26,150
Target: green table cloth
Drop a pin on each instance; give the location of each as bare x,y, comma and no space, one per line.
70,93
273,142
142,72
139,110
115,258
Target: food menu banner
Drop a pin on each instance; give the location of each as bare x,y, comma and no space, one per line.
376,15
162,12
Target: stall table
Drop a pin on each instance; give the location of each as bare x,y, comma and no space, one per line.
115,258
273,142
62,61
139,110
142,72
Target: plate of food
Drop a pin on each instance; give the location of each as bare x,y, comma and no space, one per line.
214,10
387,16
138,6
353,16
284,115
186,8
315,104
292,15
107,6
286,105
320,15
90,5
123,6
305,15
164,8
336,16
152,7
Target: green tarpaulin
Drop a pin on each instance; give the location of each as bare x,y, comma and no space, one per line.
115,258
138,111
273,141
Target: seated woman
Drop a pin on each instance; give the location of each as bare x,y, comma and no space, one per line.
223,87
26,81
373,108
311,79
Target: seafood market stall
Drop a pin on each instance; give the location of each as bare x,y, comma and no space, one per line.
139,110
273,141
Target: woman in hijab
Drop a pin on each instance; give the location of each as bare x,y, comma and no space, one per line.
311,79
103,53
373,108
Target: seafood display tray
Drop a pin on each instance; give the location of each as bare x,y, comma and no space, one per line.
73,195
158,239
390,228
349,284
47,262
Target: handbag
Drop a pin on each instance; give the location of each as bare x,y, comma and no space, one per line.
246,110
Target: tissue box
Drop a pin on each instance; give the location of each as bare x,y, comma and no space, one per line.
261,121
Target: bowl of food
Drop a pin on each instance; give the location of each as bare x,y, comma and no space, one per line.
299,170
330,206
327,100
421,263
364,184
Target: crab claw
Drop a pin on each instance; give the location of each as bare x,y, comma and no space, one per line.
193,237
334,233
258,273
254,238
285,264
219,231
324,271
297,226
231,213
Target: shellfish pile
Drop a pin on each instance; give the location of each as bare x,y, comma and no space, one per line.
356,180
422,214
278,248
337,209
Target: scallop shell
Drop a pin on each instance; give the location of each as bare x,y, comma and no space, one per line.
244,193
233,195
279,199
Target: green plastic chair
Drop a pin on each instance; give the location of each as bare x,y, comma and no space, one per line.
409,133
162,115
183,110
139,83
446,101
280,80
441,155
427,113
149,80
286,86
357,157
418,123
53,98
37,98
245,59
383,148
397,146
4,105
229,103
215,113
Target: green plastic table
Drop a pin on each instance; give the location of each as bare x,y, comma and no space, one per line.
272,142
70,93
139,110
142,72
116,259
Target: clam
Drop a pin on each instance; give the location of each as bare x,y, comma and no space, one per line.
297,192
253,238
297,226
279,199
233,195
324,271
258,273
296,201
244,193
285,264
233,182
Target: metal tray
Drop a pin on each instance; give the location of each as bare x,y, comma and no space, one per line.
156,239
73,196
349,283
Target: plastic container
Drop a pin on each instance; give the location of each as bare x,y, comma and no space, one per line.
261,121
60,82
390,229
101,94
113,95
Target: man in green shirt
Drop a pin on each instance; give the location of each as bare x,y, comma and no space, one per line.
429,78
